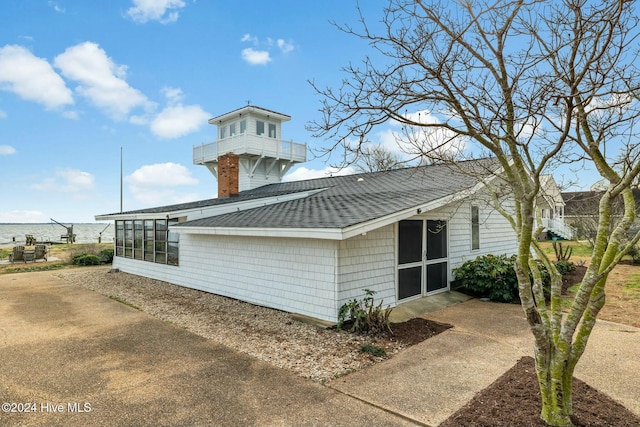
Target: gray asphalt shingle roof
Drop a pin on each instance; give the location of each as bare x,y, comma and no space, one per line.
338,202
347,200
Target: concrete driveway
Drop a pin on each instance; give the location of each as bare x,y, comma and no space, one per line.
69,356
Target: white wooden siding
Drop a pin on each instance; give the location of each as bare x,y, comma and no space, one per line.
496,235
294,275
367,262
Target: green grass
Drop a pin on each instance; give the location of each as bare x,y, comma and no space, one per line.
632,288
31,268
580,249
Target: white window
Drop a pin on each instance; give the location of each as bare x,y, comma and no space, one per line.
272,130
223,132
260,127
475,227
232,129
243,126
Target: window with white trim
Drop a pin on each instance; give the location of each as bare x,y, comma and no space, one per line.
475,228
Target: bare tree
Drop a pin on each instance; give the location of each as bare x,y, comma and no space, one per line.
535,84
376,158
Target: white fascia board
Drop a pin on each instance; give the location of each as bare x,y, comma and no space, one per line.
302,233
214,210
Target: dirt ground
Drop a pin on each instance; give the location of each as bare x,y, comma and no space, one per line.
622,301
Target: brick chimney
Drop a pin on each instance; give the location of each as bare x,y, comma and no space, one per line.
228,175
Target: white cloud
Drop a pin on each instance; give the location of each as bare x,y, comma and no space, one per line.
67,181
261,54
256,57
154,184
163,11
161,175
22,216
3,115
100,79
301,173
414,141
173,94
55,6
284,46
162,196
177,120
249,38
6,150
32,78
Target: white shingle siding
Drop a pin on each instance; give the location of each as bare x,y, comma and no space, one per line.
295,275
496,235
367,262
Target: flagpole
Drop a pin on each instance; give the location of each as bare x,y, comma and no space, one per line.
120,179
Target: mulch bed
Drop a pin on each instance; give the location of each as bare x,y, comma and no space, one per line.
416,330
514,400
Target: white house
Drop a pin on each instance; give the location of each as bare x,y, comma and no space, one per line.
551,206
309,246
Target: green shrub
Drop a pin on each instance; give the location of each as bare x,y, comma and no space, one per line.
86,259
565,267
106,256
364,316
492,276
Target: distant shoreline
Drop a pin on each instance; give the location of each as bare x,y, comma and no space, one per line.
16,233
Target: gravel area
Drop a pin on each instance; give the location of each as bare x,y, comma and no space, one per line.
270,335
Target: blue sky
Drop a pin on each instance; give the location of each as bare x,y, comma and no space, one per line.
81,79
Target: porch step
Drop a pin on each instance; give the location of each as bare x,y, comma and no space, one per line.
416,308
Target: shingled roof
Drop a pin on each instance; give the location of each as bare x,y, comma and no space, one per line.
334,202
344,201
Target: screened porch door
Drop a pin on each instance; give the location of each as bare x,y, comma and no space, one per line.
422,257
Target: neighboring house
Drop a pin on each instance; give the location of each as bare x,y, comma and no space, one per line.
581,211
310,246
551,207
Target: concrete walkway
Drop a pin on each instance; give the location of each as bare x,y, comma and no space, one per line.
430,381
64,345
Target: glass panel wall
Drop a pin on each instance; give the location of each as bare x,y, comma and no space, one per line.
148,240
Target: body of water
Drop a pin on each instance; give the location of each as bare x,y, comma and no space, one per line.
12,234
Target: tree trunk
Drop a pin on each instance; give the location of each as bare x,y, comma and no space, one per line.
555,377
554,367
